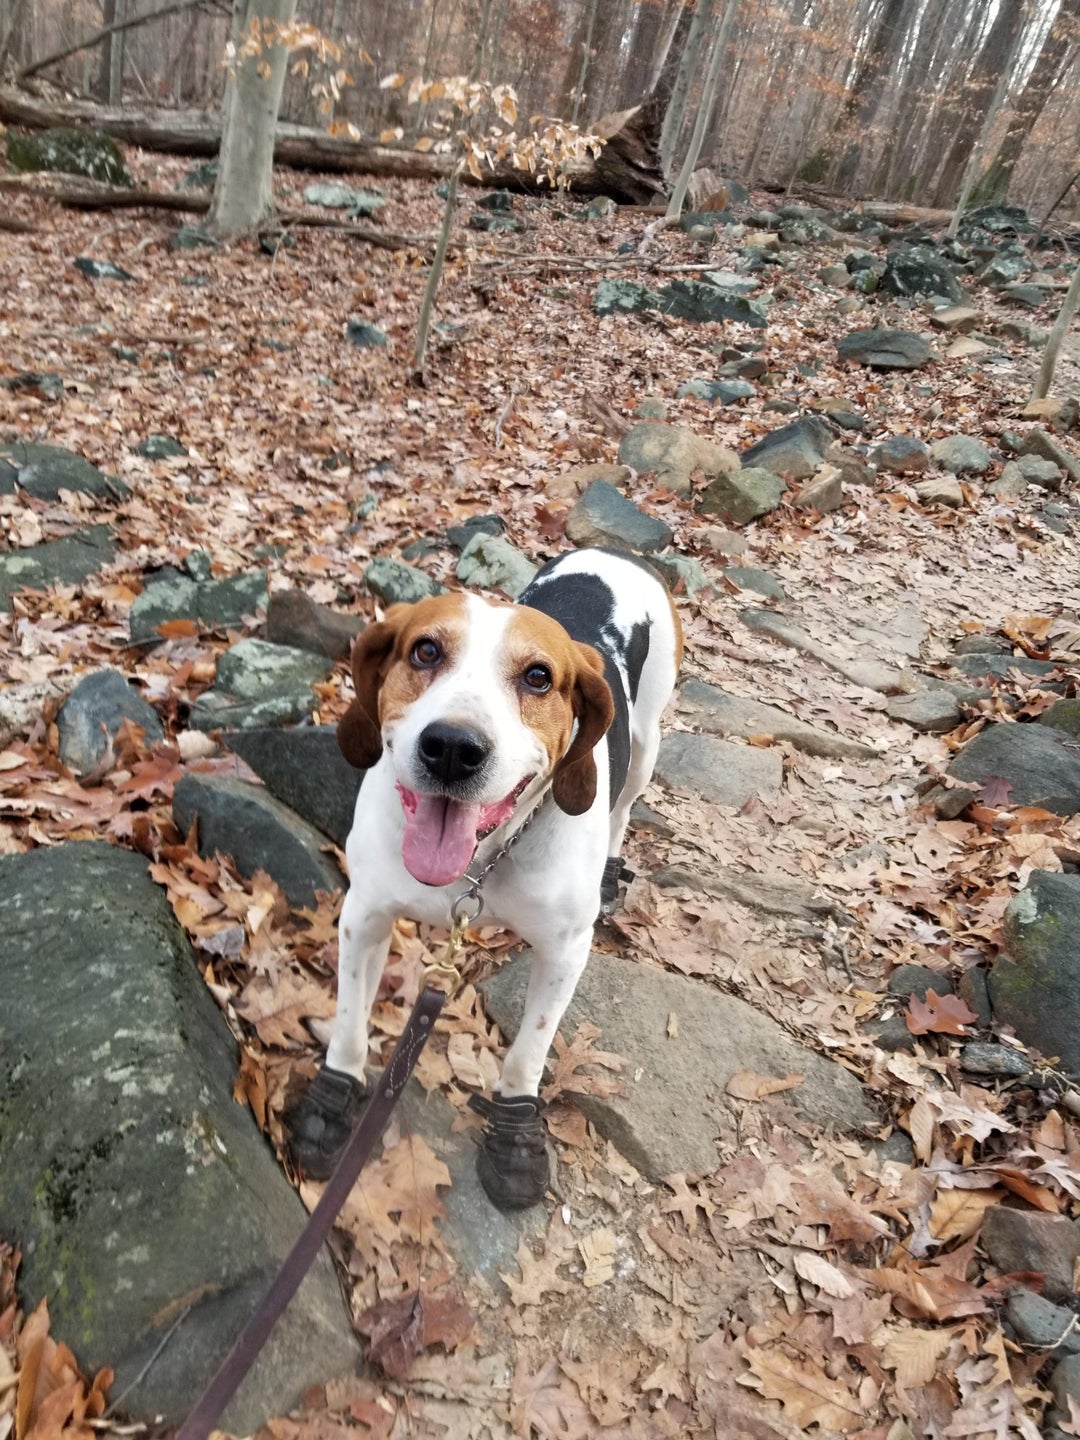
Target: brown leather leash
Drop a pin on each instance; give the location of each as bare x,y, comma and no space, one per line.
373,1122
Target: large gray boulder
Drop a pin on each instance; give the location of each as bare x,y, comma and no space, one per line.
90,719
794,450
302,767
44,470
604,517
140,1193
70,150
69,561
1035,982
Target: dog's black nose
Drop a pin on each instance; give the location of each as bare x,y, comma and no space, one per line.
452,753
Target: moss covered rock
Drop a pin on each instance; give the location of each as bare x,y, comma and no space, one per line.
70,151
1035,982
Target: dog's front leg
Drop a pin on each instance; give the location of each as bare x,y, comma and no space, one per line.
513,1162
557,963
320,1123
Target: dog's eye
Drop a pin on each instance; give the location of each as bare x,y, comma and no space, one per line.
425,653
538,678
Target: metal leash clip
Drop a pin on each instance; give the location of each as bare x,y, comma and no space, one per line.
462,916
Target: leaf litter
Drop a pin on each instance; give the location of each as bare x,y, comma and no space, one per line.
811,1282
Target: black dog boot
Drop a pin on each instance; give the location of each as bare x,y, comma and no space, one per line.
321,1121
513,1161
615,874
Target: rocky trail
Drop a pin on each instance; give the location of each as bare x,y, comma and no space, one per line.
816,1102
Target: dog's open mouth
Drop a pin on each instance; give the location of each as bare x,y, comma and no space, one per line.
441,833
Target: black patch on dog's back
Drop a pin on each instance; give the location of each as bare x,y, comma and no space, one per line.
584,606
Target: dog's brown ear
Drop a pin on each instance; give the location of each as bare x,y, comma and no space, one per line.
359,735
574,779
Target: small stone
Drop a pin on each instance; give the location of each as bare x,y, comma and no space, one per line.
1034,984
490,562
101,269
160,447
572,483
722,542
1037,471
604,517
794,451
293,618
838,276
930,711
726,392
967,347
701,234
673,454
365,335
746,577
956,319
91,717
601,208
359,203
901,455
394,583
843,413
823,493
1041,1325
1010,484
980,645
699,302
501,202
962,454
619,296
1038,442
683,574
949,802
719,771
1019,1241
303,767
908,980
495,224
885,349
1028,295
747,367
1038,763
999,665
742,496
853,467
940,490
460,535
919,270
651,407
973,990
56,562
1001,1061
190,237
644,817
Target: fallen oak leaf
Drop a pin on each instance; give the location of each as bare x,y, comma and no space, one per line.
995,792
939,1014
821,1272
809,1396
399,1330
957,1214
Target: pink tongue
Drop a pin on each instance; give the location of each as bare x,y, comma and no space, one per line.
440,838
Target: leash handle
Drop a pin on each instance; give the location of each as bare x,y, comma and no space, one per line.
298,1262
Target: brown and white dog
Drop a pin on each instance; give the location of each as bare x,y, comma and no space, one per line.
473,717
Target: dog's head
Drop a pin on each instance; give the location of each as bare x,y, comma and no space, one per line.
473,700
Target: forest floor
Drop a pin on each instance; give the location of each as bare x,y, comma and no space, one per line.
811,1281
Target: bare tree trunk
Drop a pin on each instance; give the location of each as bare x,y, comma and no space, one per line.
586,54
1058,49
112,52
680,90
975,158
660,55
991,66
95,37
8,36
864,88
244,190
1053,344
704,111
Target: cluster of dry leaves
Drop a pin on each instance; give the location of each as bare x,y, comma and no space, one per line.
811,1282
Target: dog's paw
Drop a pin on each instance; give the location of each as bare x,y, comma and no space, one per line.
321,1121
513,1162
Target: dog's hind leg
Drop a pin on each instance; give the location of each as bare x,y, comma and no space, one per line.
320,1123
643,749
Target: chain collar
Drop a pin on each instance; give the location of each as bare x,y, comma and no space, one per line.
460,913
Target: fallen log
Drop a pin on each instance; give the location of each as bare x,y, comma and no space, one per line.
93,195
623,170
890,212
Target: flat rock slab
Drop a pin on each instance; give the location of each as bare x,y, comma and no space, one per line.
719,713
246,822
774,895
482,1239
210,602
303,768
135,1185
1035,983
674,1108
57,562
869,673
720,771
604,517
260,684
1039,763
884,349
44,470
673,453
491,562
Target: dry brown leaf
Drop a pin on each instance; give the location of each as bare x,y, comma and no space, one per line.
808,1395
820,1272
956,1214
914,1354
746,1085
598,1252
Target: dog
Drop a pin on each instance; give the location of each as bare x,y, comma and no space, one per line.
477,721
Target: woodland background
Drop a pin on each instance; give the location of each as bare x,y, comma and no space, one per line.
891,98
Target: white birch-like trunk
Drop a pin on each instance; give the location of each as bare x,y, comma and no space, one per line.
1045,377
676,109
244,193
704,110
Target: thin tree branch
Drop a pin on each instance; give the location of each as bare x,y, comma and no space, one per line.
98,35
